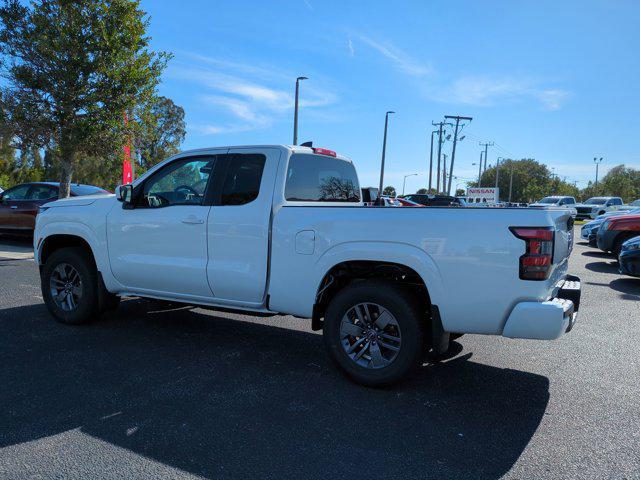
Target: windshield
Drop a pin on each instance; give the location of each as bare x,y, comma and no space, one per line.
549,200
596,201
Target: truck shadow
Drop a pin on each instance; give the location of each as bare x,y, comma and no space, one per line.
596,254
219,397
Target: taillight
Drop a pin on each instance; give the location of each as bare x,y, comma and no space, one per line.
324,151
536,262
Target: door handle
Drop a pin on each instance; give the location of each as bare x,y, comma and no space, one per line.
193,221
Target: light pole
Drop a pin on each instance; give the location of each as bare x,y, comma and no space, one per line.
404,181
498,169
295,111
480,170
597,162
384,150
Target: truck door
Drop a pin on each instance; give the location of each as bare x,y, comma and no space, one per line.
160,245
239,227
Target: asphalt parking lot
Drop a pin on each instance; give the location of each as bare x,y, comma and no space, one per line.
156,390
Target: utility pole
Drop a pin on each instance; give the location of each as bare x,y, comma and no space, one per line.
480,171
511,182
431,160
498,174
384,151
444,173
440,126
486,147
295,111
455,141
597,162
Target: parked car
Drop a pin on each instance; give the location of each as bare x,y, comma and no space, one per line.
557,201
614,231
629,258
404,202
389,202
597,206
19,205
589,229
429,200
635,203
264,230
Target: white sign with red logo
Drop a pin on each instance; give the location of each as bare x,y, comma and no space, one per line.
487,195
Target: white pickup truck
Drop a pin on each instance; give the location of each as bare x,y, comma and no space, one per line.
282,230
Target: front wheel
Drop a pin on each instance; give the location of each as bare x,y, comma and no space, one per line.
69,283
373,332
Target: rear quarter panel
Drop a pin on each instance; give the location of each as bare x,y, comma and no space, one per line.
468,258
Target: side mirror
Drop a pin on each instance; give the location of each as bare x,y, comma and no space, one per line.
124,194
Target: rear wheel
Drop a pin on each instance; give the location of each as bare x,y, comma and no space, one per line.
69,284
373,332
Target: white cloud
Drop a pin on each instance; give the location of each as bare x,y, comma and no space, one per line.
402,60
352,51
308,5
250,97
486,91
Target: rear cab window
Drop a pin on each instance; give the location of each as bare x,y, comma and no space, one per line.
321,178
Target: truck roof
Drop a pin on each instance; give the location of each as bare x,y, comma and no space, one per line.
292,148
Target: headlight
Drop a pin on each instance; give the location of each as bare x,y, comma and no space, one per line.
631,246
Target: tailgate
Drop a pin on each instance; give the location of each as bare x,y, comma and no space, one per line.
563,245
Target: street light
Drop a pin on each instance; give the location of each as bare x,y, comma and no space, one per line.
384,150
597,162
295,111
405,180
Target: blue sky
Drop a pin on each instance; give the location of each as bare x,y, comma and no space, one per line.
552,80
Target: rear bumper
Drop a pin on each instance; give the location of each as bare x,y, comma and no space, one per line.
546,320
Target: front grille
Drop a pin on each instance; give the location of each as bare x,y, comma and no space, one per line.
583,209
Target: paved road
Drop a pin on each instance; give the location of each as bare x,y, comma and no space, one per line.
158,391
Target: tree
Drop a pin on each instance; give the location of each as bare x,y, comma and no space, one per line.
531,181
389,191
620,181
460,192
158,131
422,191
72,68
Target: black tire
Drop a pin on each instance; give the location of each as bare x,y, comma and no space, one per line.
87,304
402,305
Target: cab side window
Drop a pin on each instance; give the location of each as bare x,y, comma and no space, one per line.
242,181
182,182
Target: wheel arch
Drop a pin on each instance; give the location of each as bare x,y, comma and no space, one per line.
396,262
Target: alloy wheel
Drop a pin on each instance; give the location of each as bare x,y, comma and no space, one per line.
65,284
370,335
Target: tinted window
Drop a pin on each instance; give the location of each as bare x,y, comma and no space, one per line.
16,193
319,178
617,201
242,182
86,190
182,182
42,192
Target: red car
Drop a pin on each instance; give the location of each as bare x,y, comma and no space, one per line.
19,205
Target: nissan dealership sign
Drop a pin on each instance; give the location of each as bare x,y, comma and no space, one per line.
483,195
